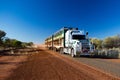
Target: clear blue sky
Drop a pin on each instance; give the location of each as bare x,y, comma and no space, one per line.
34,20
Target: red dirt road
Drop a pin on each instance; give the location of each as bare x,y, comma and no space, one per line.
48,65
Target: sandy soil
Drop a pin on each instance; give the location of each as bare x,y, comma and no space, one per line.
8,64
48,65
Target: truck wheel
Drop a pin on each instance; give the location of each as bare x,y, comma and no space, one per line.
54,49
61,51
72,53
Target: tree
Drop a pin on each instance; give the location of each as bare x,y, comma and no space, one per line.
15,43
7,42
30,43
97,43
27,44
2,35
111,42
116,41
108,42
12,43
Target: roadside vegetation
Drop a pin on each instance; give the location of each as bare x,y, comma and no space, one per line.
108,47
107,43
8,45
6,42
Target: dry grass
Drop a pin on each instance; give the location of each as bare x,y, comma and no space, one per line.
108,53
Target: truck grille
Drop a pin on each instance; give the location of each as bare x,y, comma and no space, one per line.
85,49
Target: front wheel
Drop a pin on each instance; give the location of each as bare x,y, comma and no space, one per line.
72,53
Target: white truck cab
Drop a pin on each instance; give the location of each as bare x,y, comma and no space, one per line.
76,43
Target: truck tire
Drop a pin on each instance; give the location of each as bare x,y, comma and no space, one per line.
54,49
61,51
72,53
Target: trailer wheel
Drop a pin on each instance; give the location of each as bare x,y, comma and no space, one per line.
61,51
54,49
72,53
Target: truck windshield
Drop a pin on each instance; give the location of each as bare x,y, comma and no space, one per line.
79,37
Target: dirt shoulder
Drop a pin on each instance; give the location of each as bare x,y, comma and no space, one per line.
113,60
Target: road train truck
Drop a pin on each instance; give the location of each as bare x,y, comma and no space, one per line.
71,41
